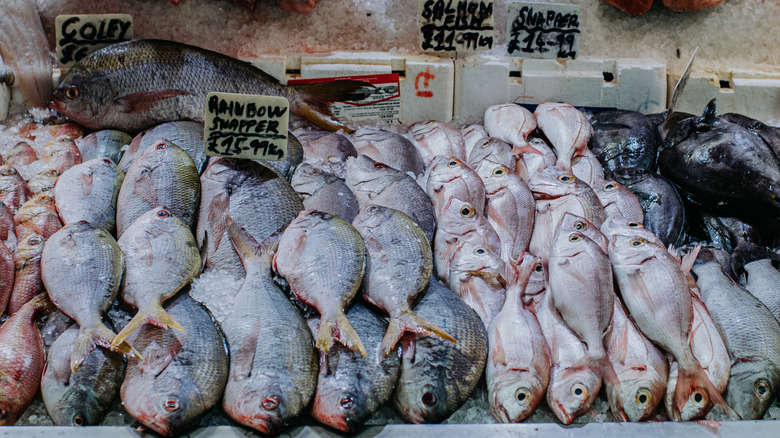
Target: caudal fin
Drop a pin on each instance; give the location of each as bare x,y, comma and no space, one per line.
249,251
409,322
695,383
338,328
315,99
152,315
601,366
90,337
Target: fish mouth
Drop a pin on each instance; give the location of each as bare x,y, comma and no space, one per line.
545,196
57,104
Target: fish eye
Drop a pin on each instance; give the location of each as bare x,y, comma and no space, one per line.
579,225
566,177
8,171
3,411
578,390
574,237
172,404
45,199
467,211
500,171
347,402
610,186
699,400
633,224
643,397
107,161
161,145
72,92
78,420
163,213
35,240
637,242
523,396
372,209
429,399
52,172
485,143
761,388
379,166
270,403
429,122
539,267
452,163
480,251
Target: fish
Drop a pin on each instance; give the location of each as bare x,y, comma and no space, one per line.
159,81
434,138
624,140
7,272
164,175
477,276
509,122
587,168
761,281
518,365
728,233
13,190
351,388
273,363
108,143
21,360
27,272
510,208
310,240
185,134
572,223
493,150
650,278
389,148
567,129
60,154
323,191
438,376
181,376
618,201
89,192
375,183
326,150
21,154
81,268
80,398
253,196
68,129
39,216
473,135
450,177
161,258
44,182
641,368
399,263
617,225
752,337
528,162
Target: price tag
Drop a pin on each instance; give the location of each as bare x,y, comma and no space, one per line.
455,25
384,102
246,126
543,30
79,35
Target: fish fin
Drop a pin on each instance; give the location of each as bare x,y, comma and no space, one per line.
409,347
247,247
688,259
204,250
709,114
601,366
315,98
144,188
89,338
146,100
244,358
621,341
637,283
338,328
218,211
159,358
409,321
497,352
693,380
60,370
154,314
524,149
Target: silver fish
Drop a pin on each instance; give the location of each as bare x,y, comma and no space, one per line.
762,281
107,143
389,148
494,150
186,134
324,191
451,177
618,201
89,192
509,122
567,128
472,136
477,276
433,138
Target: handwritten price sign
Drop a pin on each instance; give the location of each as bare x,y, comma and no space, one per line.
455,25
543,30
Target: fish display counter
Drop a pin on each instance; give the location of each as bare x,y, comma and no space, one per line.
446,217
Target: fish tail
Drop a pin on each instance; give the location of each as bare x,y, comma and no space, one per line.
600,364
315,98
338,328
695,382
154,314
40,303
410,322
247,247
91,337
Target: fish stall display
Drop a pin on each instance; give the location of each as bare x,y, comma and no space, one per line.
549,264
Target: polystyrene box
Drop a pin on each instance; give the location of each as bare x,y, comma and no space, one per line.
426,82
630,84
754,93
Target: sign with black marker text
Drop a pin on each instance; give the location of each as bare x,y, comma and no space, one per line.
79,35
543,30
455,25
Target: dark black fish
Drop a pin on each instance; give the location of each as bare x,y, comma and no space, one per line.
624,139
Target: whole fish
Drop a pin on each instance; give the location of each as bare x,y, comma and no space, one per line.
762,280
20,154
567,128
509,122
60,154
452,177
107,143
398,267
7,227
21,359
159,81
83,397
518,365
641,368
438,376
185,134
326,150
529,162
351,388
273,364
752,337
181,376
433,138
253,196
389,148
375,183
493,150
7,273
624,139
619,201
37,216
324,191
473,135
573,223
164,175
44,182
587,168
477,276
160,258
322,257
13,190
510,208
89,192
81,267
27,275
616,225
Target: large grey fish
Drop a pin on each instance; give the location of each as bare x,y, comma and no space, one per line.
324,191
187,135
438,376
81,267
322,257
273,363
752,336
433,138
83,397
253,195
89,192
181,375
375,183
398,267
351,388
624,139
164,175
107,143
136,84
389,148
160,258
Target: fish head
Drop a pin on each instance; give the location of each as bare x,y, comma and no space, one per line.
76,407
9,175
372,216
636,398
164,411
260,405
572,392
516,395
632,249
84,96
495,176
422,399
460,217
607,191
452,172
367,175
474,257
30,248
751,391
339,404
308,179
552,183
